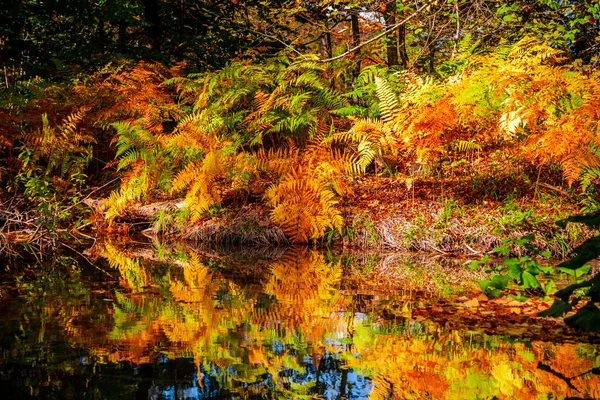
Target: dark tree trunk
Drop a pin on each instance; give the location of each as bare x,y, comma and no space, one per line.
326,46
101,32
432,59
343,384
180,49
122,41
356,41
389,16
152,16
182,17
402,46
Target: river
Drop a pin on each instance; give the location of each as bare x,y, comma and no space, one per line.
156,322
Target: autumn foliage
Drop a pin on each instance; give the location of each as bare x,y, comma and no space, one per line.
280,133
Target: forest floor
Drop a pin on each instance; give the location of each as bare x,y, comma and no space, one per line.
443,216
451,216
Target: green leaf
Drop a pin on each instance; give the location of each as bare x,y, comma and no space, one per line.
576,272
499,281
475,264
532,268
550,287
514,268
546,254
516,297
529,281
493,292
504,250
484,284
547,269
525,239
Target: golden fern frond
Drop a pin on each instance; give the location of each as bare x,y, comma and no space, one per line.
388,103
262,102
199,178
322,129
366,140
186,176
197,132
529,51
136,183
303,206
278,161
465,145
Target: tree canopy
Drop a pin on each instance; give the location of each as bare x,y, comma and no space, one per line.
45,37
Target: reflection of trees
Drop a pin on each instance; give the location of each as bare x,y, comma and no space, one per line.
441,364
225,327
243,337
287,333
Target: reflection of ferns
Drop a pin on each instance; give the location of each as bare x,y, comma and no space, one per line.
197,278
304,285
130,268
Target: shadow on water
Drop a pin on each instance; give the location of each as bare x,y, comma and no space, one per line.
168,322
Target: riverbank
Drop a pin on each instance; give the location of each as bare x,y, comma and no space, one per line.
430,215
433,216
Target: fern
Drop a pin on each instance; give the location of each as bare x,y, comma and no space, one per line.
303,206
142,155
388,103
465,145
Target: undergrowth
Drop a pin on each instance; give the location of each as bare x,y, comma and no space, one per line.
279,135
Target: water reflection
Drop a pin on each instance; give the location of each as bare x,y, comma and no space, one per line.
302,324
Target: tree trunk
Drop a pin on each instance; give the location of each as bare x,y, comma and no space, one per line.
152,16
326,46
432,59
101,32
342,394
402,46
182,17
122,40
389,15
180,48
356,41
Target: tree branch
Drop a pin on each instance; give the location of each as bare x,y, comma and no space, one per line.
392,28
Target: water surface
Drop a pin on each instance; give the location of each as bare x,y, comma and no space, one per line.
181,324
